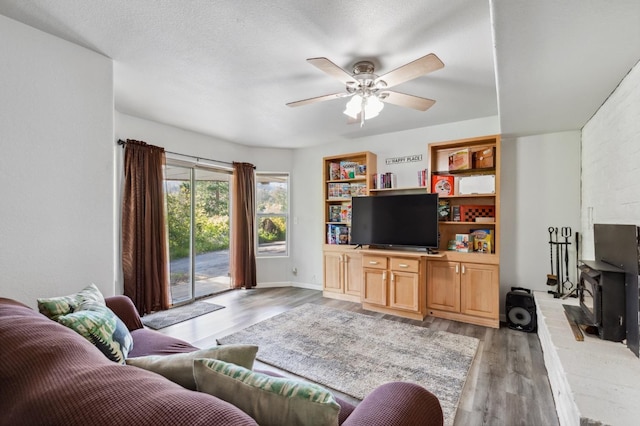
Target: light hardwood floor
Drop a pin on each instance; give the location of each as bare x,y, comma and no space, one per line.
507,383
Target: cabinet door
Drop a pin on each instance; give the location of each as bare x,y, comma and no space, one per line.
374,286
353,274
333,272
479,287
403,291
443,286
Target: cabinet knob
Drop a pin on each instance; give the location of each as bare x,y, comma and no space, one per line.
403,265
463,269
457,269
384,275
392,277
373,262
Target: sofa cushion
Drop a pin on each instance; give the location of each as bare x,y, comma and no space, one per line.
151,342
271,401
99,325
52,375
53,307
179,367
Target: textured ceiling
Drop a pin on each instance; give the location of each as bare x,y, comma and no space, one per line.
227,68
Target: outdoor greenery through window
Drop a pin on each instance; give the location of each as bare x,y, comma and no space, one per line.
272,213
197,200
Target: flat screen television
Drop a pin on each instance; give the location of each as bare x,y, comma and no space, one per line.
395,221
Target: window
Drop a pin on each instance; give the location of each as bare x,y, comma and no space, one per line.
272,213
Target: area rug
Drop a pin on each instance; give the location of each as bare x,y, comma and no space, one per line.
162,319
355,353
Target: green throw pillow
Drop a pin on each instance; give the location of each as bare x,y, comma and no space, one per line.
55,306
271,401
99,325
179,367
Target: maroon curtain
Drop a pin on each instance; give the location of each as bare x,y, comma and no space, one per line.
243,250
144,242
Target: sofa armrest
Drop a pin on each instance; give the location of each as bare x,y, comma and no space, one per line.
124,308
397,404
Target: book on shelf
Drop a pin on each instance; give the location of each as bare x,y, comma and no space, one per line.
331,235
422,177
358,189
385,181
334,213
455,213
348,169
482,240
338,234
361,170
444,209
442,185
464,243
334,171
339,190
345,213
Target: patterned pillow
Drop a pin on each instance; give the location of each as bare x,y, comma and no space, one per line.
55,306
99,325
271,401
179,367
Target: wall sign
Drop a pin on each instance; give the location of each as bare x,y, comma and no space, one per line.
405,159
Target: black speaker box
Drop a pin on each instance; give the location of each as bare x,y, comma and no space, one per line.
521,310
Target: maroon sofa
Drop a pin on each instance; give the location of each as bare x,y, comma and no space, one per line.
50,375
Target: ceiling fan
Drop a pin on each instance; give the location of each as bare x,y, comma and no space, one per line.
368,91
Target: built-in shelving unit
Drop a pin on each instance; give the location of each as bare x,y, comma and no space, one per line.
342,265
465,286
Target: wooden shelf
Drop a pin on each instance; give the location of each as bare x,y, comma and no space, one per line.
450,222
469,196
409,188
355,179
486,171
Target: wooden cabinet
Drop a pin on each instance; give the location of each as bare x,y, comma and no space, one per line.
394,284
344,175
342,274
463,291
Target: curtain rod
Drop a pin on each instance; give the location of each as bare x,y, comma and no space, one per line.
123,143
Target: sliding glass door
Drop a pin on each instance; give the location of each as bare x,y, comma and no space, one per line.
198,230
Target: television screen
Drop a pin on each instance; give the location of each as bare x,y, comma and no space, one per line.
395,220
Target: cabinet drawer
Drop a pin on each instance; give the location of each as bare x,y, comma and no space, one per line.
408,265
375,262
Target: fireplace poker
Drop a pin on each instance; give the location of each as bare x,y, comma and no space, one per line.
552,279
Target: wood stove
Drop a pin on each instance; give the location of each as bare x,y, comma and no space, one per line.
602,297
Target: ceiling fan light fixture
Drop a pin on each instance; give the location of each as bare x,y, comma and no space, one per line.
353,107
372,107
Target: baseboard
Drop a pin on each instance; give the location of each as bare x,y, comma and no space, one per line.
290,284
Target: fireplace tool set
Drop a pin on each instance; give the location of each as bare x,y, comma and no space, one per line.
559,256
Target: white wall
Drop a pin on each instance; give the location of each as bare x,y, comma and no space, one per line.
269,270
56,166
307,208
540,187
611,161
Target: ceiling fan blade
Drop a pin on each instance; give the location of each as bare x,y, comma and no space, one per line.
412,70
318,99
323,64
408,101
